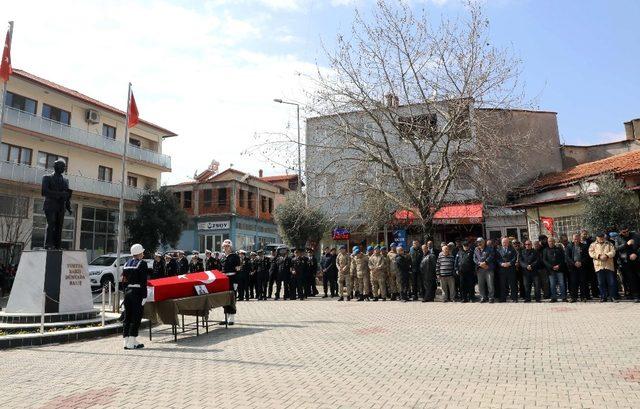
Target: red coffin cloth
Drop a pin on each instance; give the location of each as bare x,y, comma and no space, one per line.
184,285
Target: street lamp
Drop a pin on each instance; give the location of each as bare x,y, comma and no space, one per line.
280,101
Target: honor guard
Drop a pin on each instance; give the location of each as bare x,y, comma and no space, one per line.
312,270
282,268
183,263
231,265
159,268
343,263
134,274
262,266
209,261
171,265
196,265
298,275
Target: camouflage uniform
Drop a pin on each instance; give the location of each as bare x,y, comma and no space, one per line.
393,284
360,267
377,267
343,262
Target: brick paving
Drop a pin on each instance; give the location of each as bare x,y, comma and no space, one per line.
325,354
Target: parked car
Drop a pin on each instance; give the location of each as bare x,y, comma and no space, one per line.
270,248
102,270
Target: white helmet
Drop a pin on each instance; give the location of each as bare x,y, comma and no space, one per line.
137,249
227,242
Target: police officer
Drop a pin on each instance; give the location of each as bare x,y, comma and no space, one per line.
282,269
312,270
159,268
171,265
134,273
299,267
262,265
329,272
196,265
183,263
231,265
209,261
242,277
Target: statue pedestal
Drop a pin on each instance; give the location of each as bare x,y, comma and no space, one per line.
61,274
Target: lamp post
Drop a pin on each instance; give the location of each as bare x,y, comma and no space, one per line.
280,101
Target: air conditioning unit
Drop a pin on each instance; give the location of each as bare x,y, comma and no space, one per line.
92,116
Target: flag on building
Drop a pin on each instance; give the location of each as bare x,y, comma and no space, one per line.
132,112
547,222
5,66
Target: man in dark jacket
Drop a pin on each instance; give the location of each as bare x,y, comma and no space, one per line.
530,264
183,263
196,265
506,257
281,268
312,270
262,265
627,250
577,258
543,242
299,268
416,276
403,262
158,266
209,261
428,270
329,272
466,268
242,278
553,259
171,266
484,258
592,277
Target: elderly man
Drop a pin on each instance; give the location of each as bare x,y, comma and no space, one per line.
506,257
343,264
553,259
403,264
483,257
628,248
577,255
445,270
416,255
466,268
602,252
428,271
530,264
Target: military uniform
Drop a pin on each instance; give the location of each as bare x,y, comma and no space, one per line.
231,264
299,268
312,270
343,263
172,268
378,267
134,273
183,265
393,282
243,279
360,268
281,268
159,270
262,267
196,265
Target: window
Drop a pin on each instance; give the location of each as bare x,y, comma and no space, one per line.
270,205
98,229
22,103
241,198
109,131
208,197
418,126
105,173
222,196
40,225
134,142
187,200
132,181
56,114
250,200
14,206
263,204
46,160
15,154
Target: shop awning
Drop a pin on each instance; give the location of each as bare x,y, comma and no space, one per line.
464,213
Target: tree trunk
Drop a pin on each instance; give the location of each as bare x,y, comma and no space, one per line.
428,229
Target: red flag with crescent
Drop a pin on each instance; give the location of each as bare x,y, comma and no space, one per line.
132,111
5,66
547,222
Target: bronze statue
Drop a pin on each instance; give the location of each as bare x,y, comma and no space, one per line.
57,195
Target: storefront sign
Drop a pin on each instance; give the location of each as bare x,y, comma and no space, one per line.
340,234
214,225
400,238
459,220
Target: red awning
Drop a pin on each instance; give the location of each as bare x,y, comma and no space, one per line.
466,213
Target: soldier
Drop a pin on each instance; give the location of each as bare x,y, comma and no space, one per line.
360,267
403,264
159,270
262,265
299,268
231,265
312,270
209,261
378,267
273,273
367,277
183,263
393,285
281,267
171,265
343,263
196,265
134,273
252,274
329,272
242,277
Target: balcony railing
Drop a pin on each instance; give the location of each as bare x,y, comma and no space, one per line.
26,120
28,174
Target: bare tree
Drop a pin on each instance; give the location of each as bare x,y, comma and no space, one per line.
412,116
15,229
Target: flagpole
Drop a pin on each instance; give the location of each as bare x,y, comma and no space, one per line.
4,87
116,305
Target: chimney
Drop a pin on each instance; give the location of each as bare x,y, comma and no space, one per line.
260,173
392,100
628,130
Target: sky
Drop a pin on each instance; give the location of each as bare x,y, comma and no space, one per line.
209,70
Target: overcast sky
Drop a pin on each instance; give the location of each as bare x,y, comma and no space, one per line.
209,70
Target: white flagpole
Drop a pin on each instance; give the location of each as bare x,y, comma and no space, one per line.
4,87
116,305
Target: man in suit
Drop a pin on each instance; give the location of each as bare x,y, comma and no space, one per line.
56,192
506,257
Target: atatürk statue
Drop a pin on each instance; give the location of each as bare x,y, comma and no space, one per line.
56,192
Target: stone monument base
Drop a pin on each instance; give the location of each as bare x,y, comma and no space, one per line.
60,274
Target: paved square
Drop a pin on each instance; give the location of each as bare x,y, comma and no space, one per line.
326,354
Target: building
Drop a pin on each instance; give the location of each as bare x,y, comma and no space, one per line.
45,121
228,205
555,196
465,215
285,183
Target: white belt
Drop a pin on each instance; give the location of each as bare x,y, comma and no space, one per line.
230,274
134,286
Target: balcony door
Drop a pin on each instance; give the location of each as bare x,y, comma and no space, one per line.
211,242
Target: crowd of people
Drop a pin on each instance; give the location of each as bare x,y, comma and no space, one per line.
580,268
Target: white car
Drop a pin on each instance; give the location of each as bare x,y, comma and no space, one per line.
102,270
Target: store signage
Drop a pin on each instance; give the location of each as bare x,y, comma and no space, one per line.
400,238
214,225
341,234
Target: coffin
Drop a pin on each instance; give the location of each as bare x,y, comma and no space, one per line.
184,285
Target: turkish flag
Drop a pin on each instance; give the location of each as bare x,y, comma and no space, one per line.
132,111
184,285
547,222
5,67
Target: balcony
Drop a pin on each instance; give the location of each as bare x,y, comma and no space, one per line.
33,176
44,126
